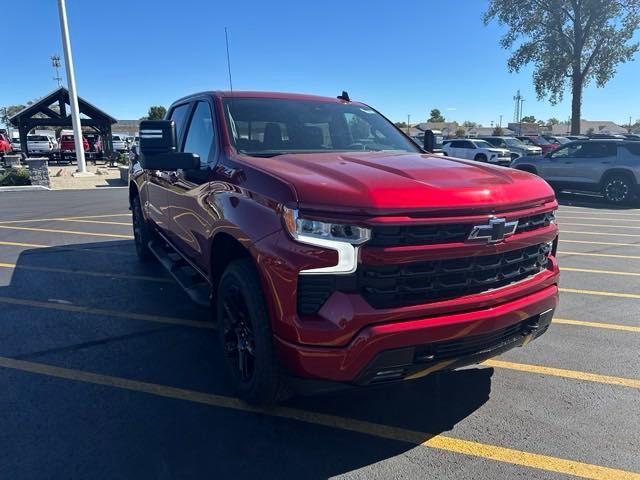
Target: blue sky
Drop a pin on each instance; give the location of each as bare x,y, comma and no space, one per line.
400,57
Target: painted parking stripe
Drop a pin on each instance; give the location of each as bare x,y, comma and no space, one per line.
634,227
108,313
609,326
608,255
28,245
601,272
70,232
612,244
64,248
618,213
599,293
608,234
64,218
87,273
561,372
605,219
438,442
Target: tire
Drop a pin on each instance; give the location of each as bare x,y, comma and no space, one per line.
244,331
617,189
142,233
481,157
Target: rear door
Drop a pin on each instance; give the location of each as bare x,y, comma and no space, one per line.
158,181
190,227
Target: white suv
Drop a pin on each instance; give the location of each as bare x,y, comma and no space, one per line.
478,150
119,144
39,144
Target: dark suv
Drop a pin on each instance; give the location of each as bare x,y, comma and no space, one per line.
611,167
331,248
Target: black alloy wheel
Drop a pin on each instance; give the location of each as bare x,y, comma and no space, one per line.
617,189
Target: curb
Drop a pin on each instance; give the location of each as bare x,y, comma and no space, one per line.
23,188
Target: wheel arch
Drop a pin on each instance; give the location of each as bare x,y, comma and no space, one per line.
225,248
618,171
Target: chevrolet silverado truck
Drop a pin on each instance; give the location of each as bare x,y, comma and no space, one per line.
332,249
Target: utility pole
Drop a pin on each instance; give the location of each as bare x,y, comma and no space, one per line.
55,63
629,129
500,123
408,124
73,96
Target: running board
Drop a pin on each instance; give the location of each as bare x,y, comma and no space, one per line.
182,272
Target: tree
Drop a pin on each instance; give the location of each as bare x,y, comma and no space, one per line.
469,124
401,124
7,112
498,131
553,121
528,119
156,112
436,116
570,42
460,132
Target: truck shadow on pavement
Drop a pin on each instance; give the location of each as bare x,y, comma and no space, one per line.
107,432
591,200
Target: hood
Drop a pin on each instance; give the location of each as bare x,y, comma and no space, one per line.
504,151
383,183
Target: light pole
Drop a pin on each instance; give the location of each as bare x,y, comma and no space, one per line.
71,82
408,124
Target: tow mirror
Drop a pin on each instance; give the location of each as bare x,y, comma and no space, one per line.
159,147
429,140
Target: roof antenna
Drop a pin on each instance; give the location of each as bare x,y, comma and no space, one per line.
226,37
344,96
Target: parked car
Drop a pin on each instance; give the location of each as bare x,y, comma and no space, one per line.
119,144
68,145
610,167
556,139
95,143
5,145
538,141
515,146
634,137
285,212
607,136
39,144
478,150
16,147
577,137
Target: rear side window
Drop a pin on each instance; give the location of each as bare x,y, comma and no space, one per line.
200,134
179,116
634,148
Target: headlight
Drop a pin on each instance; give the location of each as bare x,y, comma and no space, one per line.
342,238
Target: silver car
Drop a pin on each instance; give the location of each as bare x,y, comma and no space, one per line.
611,167
517,147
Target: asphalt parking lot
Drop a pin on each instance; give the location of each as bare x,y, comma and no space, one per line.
108,371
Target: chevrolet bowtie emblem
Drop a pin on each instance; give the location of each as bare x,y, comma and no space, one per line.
495,231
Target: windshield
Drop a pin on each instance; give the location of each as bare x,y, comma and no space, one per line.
482,144
513,142
116,138
37,138
562,140
271,126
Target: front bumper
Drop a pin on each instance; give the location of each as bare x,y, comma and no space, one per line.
407,349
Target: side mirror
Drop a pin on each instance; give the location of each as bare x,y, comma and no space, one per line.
429,141
159,147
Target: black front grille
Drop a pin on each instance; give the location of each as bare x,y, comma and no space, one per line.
387,236
401,285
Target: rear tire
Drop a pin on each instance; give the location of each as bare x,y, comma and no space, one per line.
142,233
617,189
244,331
481,157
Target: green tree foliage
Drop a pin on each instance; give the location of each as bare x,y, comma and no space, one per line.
460,132
553,121
7,112
498,131
570,42
156,112
528,119
401,124
469,124
436,116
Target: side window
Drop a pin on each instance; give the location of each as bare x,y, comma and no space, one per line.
598,150
179,116
200,133
455,144
468,145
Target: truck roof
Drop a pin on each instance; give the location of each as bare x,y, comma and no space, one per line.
255,94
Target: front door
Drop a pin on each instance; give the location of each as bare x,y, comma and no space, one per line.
190,227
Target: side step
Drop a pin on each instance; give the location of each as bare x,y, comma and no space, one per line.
187,277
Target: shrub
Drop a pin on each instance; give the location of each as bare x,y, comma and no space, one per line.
15,177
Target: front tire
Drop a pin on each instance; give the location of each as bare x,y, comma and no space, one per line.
244,330
617,189
481,157
142,233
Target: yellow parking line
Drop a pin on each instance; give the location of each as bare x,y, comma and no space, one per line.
28,245
609,326
596,292
613,244
597,225
424,439
49,230
65,218
603,272
88,273
109,313
101,222
608,255
561,372
609,234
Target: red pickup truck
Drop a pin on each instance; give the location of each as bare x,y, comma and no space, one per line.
330,247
